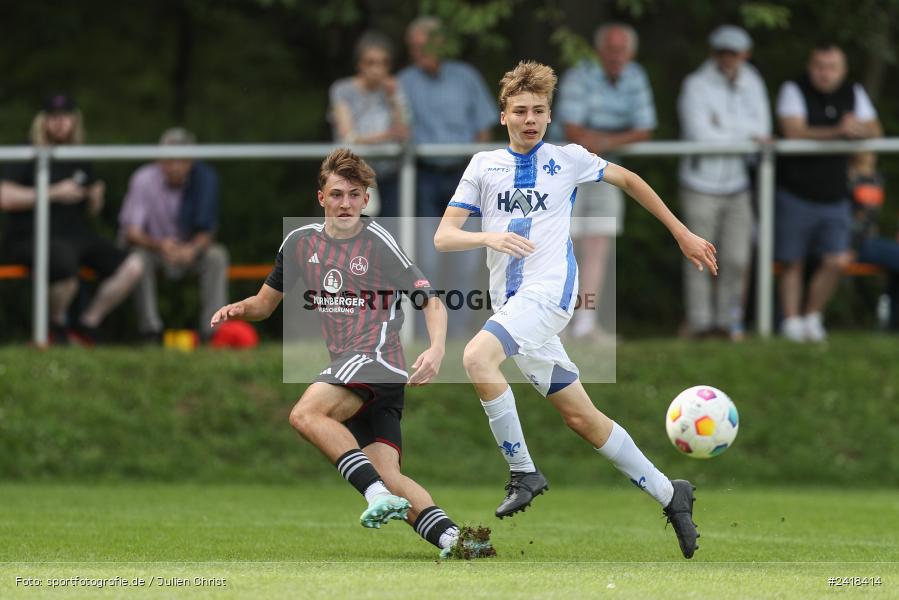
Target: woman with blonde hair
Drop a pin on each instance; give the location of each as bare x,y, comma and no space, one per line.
75,195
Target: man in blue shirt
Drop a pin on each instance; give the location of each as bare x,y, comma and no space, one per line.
448,103
602,105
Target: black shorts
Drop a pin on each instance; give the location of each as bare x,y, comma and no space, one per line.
68,254
382,392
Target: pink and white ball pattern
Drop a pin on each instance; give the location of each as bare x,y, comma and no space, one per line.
702,422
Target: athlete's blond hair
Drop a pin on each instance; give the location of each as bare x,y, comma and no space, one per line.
38,132
528,76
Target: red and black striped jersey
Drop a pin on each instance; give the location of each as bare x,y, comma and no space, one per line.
354,285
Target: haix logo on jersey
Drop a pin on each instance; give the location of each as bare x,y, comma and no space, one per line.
527,201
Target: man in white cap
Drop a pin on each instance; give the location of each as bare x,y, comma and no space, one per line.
724,100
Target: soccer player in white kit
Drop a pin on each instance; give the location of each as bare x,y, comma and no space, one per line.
524,195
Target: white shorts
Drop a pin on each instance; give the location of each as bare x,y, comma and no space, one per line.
528,327
598,210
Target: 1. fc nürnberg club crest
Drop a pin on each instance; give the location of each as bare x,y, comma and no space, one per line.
333,281
359,265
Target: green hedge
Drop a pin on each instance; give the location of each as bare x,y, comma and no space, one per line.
809,415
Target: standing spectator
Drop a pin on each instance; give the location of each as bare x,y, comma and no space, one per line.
868,245
724,100
169,216
602,106
75,196
369,108
449,103
813,213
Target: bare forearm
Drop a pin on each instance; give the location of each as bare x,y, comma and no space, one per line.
435,321
872,129
201,241
15,197
452,239
136,237
803,131
613,140
256,309
634,186
599,142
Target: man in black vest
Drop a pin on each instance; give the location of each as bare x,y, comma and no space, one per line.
813,214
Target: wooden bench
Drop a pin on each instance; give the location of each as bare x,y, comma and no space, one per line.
852,270
240,272
260,271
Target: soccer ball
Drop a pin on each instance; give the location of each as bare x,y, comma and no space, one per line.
702,422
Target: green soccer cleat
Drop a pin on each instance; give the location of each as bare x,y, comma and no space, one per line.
384,508
471,543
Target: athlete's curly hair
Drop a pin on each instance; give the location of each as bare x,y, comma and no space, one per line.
527,76
348,165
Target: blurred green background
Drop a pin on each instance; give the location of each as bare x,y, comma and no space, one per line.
259,71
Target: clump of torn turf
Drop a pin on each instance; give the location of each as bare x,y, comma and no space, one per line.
473,542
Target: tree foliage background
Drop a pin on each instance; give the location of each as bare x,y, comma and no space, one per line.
259,71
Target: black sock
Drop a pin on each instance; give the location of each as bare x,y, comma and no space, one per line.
355,467
431,523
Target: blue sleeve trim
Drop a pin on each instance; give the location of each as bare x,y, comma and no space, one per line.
560,379
570,276
510,346
601,173
471,207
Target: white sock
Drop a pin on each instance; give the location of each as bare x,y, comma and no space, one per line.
507,432
448,537
627,458
374,490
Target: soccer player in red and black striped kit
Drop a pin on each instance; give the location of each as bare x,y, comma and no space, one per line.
353,271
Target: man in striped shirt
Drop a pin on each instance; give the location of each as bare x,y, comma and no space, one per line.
354,273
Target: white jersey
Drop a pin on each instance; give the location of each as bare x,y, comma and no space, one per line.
532,195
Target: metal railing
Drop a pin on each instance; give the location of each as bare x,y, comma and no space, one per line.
408,155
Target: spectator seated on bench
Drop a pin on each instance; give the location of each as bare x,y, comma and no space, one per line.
169,216
868,246
75,196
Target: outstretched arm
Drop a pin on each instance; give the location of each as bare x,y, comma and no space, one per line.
254,308
697,250
450,236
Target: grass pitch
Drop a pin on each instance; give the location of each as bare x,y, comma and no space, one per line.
305,542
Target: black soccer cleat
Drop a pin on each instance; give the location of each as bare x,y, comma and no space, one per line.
679,513
520,491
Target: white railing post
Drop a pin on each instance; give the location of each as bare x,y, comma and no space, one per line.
764,286
40,271
407,228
